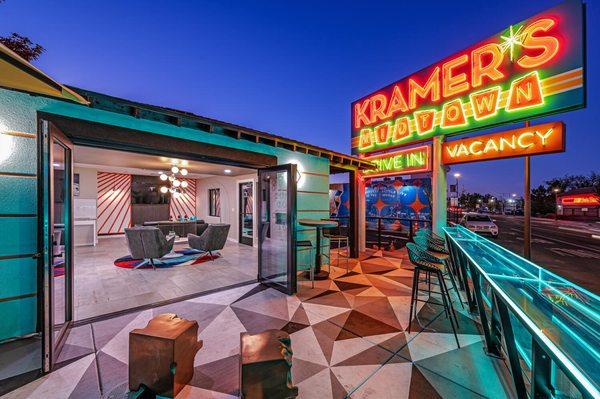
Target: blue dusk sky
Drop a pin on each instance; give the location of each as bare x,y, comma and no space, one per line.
288,68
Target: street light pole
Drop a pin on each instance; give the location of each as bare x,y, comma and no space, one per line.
556,191
527,208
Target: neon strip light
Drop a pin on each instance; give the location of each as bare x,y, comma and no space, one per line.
585,382
576,336
406,169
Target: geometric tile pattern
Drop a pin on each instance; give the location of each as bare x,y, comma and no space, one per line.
348,338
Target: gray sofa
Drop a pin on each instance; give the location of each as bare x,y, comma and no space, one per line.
212,239
148,243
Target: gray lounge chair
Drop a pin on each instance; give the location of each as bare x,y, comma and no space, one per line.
213,238
148,243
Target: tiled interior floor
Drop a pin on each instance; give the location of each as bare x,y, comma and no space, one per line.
348,336
101,287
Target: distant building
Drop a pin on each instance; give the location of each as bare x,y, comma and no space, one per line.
579,204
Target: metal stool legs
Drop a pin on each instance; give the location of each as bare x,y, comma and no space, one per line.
446,300
311,257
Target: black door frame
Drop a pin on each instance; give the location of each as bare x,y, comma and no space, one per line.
291,169
51,344
241,213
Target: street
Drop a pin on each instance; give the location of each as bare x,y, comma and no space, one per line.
565,248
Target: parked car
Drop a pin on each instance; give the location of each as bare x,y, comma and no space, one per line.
480,223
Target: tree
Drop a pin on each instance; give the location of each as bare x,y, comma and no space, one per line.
23,46
542,200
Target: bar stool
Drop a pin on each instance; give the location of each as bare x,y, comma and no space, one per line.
431,236
311,257
443,257
334,235
437,246
425,263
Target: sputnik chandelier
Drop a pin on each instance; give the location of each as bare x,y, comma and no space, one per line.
176,183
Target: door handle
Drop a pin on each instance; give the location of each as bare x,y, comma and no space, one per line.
36,255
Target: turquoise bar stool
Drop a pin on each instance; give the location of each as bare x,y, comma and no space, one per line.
443,257
429,265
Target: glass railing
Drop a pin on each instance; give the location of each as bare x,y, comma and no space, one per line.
562,317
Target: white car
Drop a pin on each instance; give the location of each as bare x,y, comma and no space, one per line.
480,223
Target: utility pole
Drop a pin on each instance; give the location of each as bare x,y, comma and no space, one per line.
527,208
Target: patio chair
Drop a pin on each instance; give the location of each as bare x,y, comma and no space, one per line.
148,243
213,238
425,263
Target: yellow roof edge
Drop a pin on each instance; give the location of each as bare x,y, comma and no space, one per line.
26,66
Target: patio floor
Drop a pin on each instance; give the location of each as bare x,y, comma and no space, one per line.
348,337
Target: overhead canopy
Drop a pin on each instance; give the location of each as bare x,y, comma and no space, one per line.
18,74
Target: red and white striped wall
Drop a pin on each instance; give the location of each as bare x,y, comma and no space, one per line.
185,204
114,203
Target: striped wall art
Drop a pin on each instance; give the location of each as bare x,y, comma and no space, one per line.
114,203
185,204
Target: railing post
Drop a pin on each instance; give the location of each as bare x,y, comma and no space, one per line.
379,233
410,230
541,372
511,348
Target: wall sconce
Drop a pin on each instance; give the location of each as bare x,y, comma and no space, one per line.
6,143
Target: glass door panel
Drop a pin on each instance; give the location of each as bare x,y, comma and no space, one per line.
277,233
57,230
246,213
59,185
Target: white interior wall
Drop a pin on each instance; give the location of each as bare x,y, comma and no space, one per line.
88,182
229,190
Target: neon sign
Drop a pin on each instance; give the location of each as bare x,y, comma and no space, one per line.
583,199
411,160
531,69
540,139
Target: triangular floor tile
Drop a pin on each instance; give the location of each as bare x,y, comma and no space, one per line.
428,344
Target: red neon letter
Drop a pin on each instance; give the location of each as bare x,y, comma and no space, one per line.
525,92
378,105
453,114
485,103
397,103
366,139
489,69
382,133
424,121
454,84
360,116
431,88
549,44
401,130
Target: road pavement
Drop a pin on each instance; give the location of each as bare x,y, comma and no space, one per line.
568,249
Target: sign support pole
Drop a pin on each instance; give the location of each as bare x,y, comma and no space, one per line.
527,208
438,184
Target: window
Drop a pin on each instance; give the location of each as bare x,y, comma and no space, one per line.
214,202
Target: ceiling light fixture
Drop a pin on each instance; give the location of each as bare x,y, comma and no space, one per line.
176,183
227,171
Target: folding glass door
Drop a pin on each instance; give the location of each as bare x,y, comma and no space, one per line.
277,232
56,239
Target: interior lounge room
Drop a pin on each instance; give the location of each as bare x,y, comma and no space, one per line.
199,217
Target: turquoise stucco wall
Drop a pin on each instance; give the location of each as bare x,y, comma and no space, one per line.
18,192
18,212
